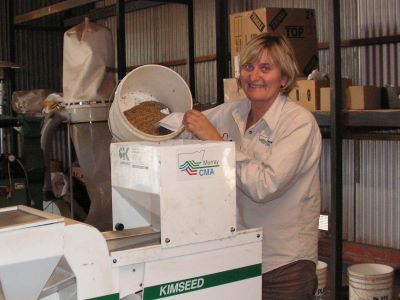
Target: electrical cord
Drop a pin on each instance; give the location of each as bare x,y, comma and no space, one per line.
9,194
28,188
47,206
10,159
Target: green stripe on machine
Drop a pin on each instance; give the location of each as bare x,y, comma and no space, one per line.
107,297
198,283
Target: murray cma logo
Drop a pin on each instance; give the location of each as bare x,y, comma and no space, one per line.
123,153
194,164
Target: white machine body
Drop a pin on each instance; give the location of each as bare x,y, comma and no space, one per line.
184,188
177,204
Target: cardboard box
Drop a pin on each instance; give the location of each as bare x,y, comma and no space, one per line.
297,24
307,93
231,90
363,97
325,99
325,95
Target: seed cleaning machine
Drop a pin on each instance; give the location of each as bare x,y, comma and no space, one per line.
174,208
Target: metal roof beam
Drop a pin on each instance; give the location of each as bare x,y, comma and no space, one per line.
97,14
109,11
49,10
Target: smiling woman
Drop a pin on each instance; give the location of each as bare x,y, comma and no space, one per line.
261,80
268,67
278,145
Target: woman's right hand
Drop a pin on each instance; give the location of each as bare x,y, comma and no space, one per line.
198,124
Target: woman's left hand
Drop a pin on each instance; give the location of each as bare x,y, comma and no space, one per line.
198,124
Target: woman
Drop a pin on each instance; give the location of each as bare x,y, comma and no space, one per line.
278,145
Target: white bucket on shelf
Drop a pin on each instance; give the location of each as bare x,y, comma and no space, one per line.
370,281
146,83
322,275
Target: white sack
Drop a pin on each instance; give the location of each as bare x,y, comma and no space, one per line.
88,63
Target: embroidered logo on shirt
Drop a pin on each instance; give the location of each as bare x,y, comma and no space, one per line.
265,140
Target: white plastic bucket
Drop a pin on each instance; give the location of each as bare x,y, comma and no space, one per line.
148,82
370,281
322,275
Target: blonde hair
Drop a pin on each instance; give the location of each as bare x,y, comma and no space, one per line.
281,52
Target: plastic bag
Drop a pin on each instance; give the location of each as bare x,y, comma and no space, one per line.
30,101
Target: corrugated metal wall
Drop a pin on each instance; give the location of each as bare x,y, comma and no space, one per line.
155,35
4,29
39,51
348,184
377,198
159,34
379,64
205,44
371,189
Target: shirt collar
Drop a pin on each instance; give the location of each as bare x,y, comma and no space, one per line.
243,109
240,114
271,117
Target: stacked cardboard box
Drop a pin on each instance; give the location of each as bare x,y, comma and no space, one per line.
307,93
297,24
315,95
325,93
363,97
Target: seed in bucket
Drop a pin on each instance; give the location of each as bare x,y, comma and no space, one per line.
145,115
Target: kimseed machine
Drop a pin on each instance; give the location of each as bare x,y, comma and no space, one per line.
174,208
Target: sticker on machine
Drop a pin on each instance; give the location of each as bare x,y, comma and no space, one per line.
197,165
136,158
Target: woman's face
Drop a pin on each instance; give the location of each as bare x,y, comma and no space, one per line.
262,79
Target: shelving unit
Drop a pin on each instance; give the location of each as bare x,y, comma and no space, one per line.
337,124
340,121
374,119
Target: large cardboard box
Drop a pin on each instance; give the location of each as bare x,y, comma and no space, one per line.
232,92
297,24
363,97
325,95
307,93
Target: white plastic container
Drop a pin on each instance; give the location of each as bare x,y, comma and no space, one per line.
148,82
322,275
370,281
